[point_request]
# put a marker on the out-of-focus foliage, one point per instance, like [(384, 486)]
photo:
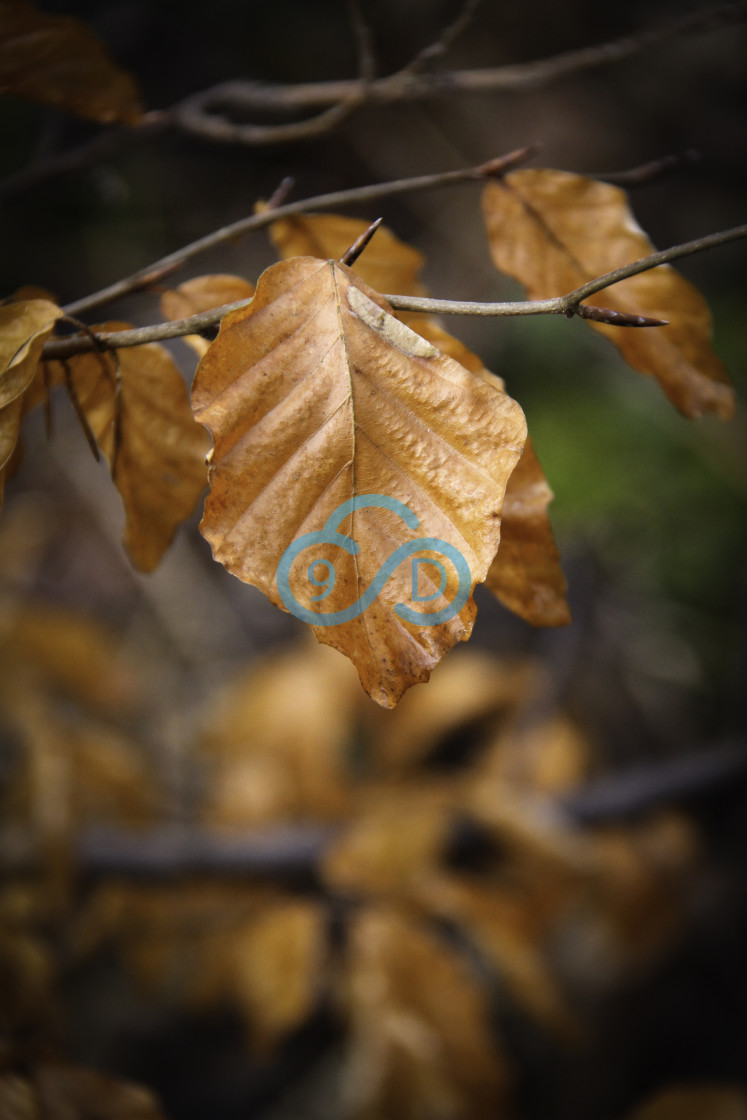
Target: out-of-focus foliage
[(59, 61)]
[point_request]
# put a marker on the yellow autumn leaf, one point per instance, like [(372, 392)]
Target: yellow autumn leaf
[(24, 328), (320, 403), (394, 840), (505, 931), (276, 740), (277, 969), (160, 468), (203, 293), (10, 423), (59, 61), (420, 1034), (553, 231)]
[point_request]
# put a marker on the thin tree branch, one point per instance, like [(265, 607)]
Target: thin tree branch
[(493, 169), (568, 305)]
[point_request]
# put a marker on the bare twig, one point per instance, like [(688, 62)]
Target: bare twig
[(649, 172), (493, 169), (567, 305)]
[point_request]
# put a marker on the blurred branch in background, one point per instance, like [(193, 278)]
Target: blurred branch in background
[(202, 114)]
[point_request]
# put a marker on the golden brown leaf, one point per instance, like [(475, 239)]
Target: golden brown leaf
[(553, 231), (695, 1102), (276, 969), (160, 469), (420, 1044), (74, 654), (10, 423), (503, 927), (203, 293), (277, 740), (24, 328), (316, 396), (392, 843), (59, 61), (548, 756), (526, 574)]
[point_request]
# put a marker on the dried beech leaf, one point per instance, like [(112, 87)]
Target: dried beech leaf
[(315, 395), (526, 574), (386, 264), (391, 844), (10, 423), (420, 1041), (160, 469), (553, 231), (59, 61), (505, 931), (203, 293), (277, 740), (24, 328), (549, 756), (75, 655), (276, 969)]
